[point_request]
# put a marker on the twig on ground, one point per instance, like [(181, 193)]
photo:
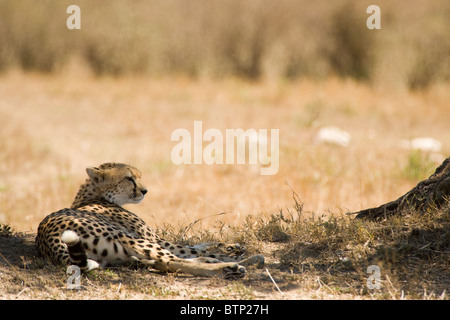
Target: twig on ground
[(270, 276)]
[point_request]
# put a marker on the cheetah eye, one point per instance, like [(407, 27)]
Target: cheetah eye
[(131, 180)]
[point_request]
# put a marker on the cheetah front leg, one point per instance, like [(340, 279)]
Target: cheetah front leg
[(213, 253), (227, 270), (234, 249), (154, 255), (233, 252), (193, 266), (256, 260)]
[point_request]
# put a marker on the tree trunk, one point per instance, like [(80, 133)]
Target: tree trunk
[(431, 192)]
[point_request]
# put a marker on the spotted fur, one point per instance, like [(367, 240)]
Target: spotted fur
[(97, 231)]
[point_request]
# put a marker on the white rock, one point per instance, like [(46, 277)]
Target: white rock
[(423, 144), (333, 135)]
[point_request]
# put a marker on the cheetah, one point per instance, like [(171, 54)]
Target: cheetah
[(97, 231)]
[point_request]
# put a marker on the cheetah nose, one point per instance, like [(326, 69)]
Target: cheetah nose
[(144, 191)]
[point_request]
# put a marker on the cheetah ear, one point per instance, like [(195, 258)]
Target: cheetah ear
[(95, 174)]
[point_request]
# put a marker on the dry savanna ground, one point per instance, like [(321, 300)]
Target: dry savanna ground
[(54, 126)]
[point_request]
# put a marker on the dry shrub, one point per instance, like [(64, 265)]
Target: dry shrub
[(249, 39)]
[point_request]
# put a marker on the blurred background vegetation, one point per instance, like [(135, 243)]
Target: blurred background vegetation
[(252, 39)]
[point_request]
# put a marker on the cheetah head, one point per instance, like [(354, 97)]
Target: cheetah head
[(118, 183)]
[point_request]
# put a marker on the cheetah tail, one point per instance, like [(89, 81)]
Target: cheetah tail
[(77, 254)]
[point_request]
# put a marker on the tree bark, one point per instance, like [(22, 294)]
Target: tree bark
[(431, 192)]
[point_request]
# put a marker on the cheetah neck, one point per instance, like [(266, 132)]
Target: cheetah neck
[(87, 194)]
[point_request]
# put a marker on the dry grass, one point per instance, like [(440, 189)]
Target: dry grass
[(308, 258), (252, 39), (116, 90), (53, 126)]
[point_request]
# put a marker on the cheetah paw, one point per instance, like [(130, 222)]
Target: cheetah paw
[(256, 260), (234, 272)]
